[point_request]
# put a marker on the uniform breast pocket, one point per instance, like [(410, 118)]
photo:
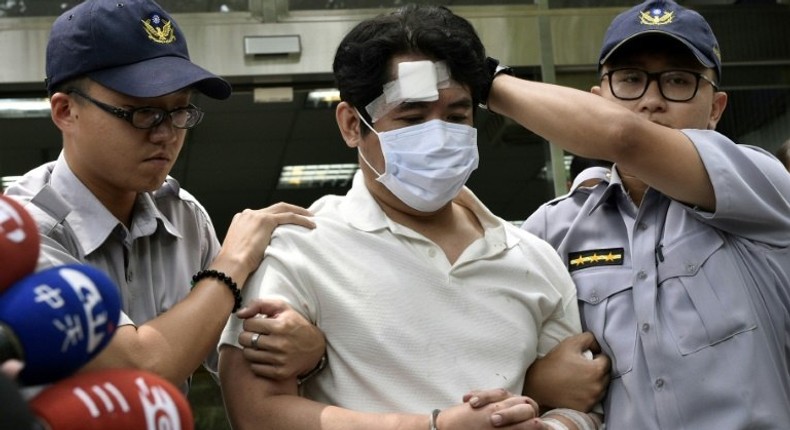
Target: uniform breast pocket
[(701, 295), (607, 311)]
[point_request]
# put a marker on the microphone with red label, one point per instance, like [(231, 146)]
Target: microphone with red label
[(19, 242), (57, 320), (117, 399)]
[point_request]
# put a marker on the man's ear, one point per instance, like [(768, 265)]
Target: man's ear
[(61, 110), (349, 124), (718, 105), (596, 90)]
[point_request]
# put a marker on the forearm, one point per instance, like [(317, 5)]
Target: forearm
[(259, 403), (577, 121), (288, 412), (592, 126), (176, 342)]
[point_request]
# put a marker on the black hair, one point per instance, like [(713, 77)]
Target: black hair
[(361, 65)]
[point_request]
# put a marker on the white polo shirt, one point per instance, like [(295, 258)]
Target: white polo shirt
[(407, 331)]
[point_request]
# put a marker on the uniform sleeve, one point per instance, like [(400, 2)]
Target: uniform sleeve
[(209, 243), (752, 189), (536, 223)]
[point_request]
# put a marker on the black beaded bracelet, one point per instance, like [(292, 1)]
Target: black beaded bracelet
[(210, 273)]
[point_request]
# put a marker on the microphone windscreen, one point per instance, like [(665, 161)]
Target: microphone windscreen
[(57, 320), (117, 399), (19, 242)]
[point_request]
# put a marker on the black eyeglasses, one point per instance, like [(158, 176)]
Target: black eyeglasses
[(148, 117), (674, 85)]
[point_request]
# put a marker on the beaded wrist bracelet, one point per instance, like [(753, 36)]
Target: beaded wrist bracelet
[(203, 274), (319, 367)]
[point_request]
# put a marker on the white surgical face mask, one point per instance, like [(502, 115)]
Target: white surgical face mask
[(426, 165)]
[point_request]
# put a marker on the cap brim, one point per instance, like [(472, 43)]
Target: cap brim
[(159, 76), (701, 58)]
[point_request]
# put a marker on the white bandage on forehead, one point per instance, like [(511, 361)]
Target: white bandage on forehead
[(418, 81)]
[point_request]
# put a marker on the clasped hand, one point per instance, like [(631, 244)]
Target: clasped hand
[(492, 409)]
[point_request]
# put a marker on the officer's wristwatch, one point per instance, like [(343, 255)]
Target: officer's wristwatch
[(494, 69)]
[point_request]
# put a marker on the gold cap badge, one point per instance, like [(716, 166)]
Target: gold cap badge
[(159, 30), (656, 16)]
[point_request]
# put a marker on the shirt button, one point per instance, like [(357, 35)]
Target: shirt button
[(645, 328), (691, 268), (659, 384), (594, 298), (431, 253), (641, 274), (642, 226)]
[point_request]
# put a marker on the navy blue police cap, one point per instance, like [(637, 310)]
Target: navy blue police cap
[(133, 47), (663, 17)]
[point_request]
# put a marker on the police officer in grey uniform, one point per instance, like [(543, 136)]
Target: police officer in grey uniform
[(121, 82), (680, 254)]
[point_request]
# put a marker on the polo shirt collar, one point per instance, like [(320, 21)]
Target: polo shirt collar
[(363, 212), (361, 209)]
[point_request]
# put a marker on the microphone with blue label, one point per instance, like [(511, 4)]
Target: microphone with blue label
[(57, 320)]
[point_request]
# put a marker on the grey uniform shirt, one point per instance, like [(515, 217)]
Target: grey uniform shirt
[(171, 237), (692, 307)]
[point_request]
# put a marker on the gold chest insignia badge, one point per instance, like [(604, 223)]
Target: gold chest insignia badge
[(159, 30), (656, 16), (595, 257)]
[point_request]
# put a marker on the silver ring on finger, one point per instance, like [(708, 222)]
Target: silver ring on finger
[(254, 340)]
